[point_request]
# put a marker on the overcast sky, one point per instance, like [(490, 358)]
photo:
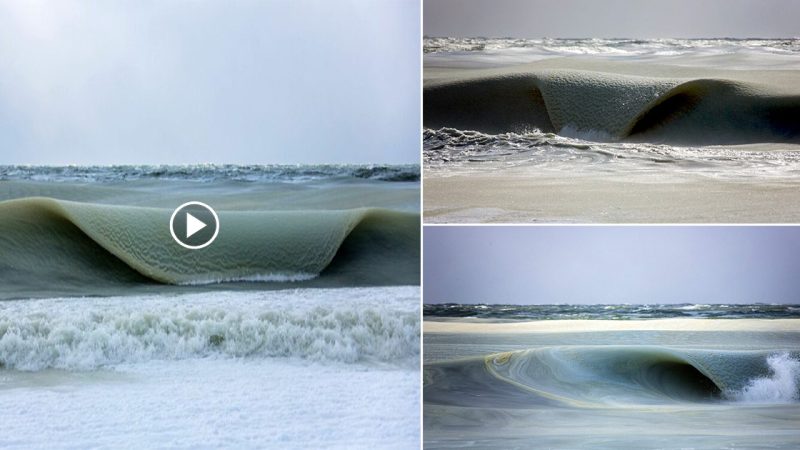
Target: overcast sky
[(145, 81), (612, 18), (541, 265)]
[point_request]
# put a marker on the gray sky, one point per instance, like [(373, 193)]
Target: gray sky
[(300, 81), (529, 265), (612, 18)]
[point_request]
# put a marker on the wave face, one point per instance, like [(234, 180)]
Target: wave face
[(54, 246), (623, 107), (594, 377), (361, 325)]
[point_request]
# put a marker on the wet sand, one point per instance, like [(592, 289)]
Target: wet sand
[(525, 196)]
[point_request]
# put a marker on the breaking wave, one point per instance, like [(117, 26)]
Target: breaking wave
[(379, 325), (588, 377), (65, 246), (780, 386), (616, 107)]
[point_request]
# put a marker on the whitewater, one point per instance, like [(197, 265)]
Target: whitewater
[(336, 368), (707, 127)]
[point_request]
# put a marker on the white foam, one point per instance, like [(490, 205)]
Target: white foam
[(572, 131), (342, 325), (213, 403), (256, 278), (779, 387)]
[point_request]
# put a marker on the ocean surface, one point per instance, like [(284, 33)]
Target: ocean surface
[(105, 230), (610, 312), (693, 376), (298, 326), (672, 119)]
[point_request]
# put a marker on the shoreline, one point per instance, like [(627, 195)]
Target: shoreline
[(528, 197)]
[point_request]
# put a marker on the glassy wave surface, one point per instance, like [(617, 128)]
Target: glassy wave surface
[(99, 230), (584, 376)]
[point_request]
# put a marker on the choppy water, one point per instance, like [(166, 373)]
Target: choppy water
[(601, 46), (453, 151), (611, 312), (205, 173)]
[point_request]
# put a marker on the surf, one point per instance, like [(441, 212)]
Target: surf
[(376, 325)]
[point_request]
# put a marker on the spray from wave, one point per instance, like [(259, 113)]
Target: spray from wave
[(781, 386)]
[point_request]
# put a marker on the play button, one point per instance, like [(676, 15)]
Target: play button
[(194, 225)]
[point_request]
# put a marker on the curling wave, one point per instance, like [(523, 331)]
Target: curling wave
[(54, 246), (588, 377), (615, 106)]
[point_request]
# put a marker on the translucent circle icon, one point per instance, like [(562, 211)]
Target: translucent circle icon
[(194, 225)]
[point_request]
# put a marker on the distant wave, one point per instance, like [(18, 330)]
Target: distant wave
[(62, 246), (611, 312), (378, 325), (210, 172), (588, 377), (622, 107), (599, 46)]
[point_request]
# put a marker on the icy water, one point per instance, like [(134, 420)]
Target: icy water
[(595, 129), (289, 368), (105, 230), (612, 379), (297, 327)]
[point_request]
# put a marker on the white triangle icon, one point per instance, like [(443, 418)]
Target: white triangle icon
[(193, 225)]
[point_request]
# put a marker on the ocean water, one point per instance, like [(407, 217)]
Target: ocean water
[(609, 115), (105, 230), (611, 312), (727, 376), (299, 326)]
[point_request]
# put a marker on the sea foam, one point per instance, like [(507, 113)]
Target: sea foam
[(346, 325), (779, 387)]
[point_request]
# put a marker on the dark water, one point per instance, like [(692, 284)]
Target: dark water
[(612, 312), (211, 172)]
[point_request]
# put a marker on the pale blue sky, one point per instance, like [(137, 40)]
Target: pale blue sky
[(306, 81), (541, 265), (612, 18)]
